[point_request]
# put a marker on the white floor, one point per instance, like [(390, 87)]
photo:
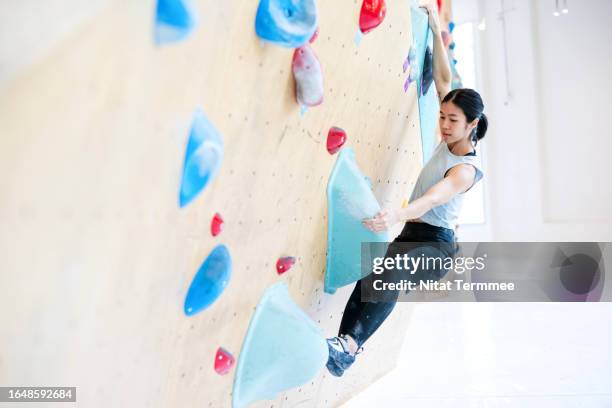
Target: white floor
[(493, 355)]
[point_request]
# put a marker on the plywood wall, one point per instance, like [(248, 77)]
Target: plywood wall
[(95, 255)]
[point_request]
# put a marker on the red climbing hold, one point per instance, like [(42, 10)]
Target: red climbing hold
[(372, 14), (224, 361), (336, 138), (284, 264), (314, 36), (216, 225)]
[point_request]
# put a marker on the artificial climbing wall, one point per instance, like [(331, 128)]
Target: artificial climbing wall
[(95, 254)]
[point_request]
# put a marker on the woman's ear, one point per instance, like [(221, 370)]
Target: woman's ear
[(473, 124)]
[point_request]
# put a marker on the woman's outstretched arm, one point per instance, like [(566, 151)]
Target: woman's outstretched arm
[(441, 70), (459, 179)]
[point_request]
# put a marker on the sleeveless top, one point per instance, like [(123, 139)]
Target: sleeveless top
[(442, 159)]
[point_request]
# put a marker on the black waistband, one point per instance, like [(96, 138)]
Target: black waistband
[(421, 231)]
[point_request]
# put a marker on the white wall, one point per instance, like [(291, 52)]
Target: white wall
[(545, 153)]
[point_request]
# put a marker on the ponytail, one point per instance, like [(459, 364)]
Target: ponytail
[(481, 129)]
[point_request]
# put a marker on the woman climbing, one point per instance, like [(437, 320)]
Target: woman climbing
[(433, 208)]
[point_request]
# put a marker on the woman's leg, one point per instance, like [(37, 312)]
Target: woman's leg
[(362, 318)]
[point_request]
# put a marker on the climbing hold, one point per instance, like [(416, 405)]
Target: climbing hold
[(284, 264), (210, 281), (308, 77), (427, 77), (451, 26), (216, 225), (404, 203), (350, 200), (439, 2), (411, 63), (412, 57), (454, 62), (289, 23), (314, 36), (174, 20), (202, 158), (336, 137), (407, 83), (224, 361), (452, 45), (283, 349), (372, 14)]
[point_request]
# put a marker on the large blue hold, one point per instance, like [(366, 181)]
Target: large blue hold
[(283, 349), (349, 200), (202, 158), (210, 281), (174, 20), (289, 23), (429, 106)]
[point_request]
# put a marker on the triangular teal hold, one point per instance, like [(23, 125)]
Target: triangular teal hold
[(202, 158), (283, 349), (349, 200), (210, 281), (174, 20), (429, 106)]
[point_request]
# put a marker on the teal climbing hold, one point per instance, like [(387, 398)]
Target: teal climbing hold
[(210, 281), (429, 106), (349, 200), (174, 21), (283, 349), (203, 158)]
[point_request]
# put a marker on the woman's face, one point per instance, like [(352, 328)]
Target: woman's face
[(453, 123)]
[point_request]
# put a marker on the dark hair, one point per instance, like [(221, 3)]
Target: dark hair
[(470, 102)]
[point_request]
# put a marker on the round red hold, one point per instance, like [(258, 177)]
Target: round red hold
[(372, 14), (284, 264), (216, 225), (336, 137), (224, 361)]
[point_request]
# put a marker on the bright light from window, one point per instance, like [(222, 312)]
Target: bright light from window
[(465, 54)]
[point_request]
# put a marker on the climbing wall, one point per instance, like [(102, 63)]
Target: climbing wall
[(96, 256)]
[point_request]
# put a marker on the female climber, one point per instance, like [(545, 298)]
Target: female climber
[(433, 208)]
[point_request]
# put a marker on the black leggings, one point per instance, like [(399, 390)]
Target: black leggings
[(362, 318)]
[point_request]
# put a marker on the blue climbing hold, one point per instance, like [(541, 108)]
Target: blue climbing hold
[(174, 20), (451, 26), (210, 281), (283, 349), (202, 158), (427, 75), (452, 45), (349, 200), (289, 23)]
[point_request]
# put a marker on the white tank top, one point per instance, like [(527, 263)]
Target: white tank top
[(444, 215)]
